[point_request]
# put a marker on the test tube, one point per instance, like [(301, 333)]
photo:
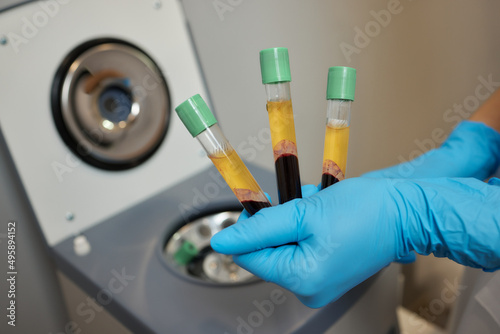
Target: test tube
[(202, 124), (275, 69), (339, 94)]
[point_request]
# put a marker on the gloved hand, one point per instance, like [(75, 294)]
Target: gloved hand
[(349, 231), (471, 150)]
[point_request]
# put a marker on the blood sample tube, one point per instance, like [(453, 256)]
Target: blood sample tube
[(339, 94), (275, 69), (202, 124)]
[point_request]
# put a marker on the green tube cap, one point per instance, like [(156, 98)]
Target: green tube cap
[(185, 253), (341, 83), (275, 65), (195, 115)]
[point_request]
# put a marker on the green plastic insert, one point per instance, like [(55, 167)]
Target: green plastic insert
[(341, 83), (185, 253), (195, 115), (275, 65)]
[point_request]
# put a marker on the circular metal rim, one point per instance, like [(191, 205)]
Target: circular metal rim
[(160, 249), (213, 221), (57, 102)]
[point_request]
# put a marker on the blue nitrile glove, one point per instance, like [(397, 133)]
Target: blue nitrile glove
[(471, 150), (349, 231)]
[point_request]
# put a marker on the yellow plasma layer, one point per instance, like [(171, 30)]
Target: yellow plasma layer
[(237, 176), (282, 125), (336, 144)]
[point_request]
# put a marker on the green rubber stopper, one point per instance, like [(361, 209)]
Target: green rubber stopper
[(341, 83), (275, 65), (185, 253), (195, 115)]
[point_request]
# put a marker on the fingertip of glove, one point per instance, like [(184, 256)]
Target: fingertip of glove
[(310, 189), (237, 260), (315, 302), (217, 242)]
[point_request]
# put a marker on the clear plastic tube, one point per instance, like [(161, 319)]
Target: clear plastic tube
[(338, 121), (233, 170), (279, 107)]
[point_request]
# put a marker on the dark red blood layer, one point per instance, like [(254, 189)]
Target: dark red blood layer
[(288, 176)]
